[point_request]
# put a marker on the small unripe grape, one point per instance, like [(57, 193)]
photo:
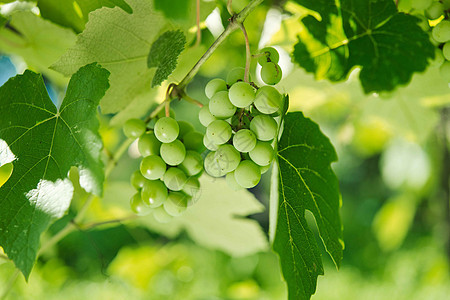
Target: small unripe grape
[(441, 32), (192, 187), (176, 203), (219, 132), (214, 86), (220, 106), (247, 174), (173, 153), (152, 167), (211, 166), (262, 154), (166, 129), (161, 215), (264, 127), (445, 71), (154, 193), (174, 179), (148, 144), (227, 158), (236, 74), (241, 94), (208, 144), (271, 73), (421, 4), (137, 180), (446, 51), (192, 163), (205, 117), (270, 54), (185, 127), (435, 10), (138, 206), (268, 100), (194, 141), (231, 181), (244, 140), (134, 128)]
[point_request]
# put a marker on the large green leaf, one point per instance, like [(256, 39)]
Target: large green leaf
[(306, 182), (44, 143), (388, 46)]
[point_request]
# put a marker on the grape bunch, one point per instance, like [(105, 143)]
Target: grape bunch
[(438, 12), (240, 121), (167, 180)]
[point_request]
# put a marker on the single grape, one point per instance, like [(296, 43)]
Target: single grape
[(205, 116), (148, 144), (241, 94), (138, 206), (214, 86), (166, 129), (264, 127), (441, 32), (271, 73), (262, 154), (154, 193), (247, 174), (208, 144), (270, 54), (176, 203), (236, 74), (264, 169), (161, 215), (446, 51), (137, 180), (220, 106), (219, 132), (134, 128), (192, 163), (244, 140), (185, 127), (227, 158), (192, 188), (421, 4), (445, 71), (434, 11), (194, 141), (175, 179), (231, 181), (211, 166), (173, 153), (152, 167), (268, 100)]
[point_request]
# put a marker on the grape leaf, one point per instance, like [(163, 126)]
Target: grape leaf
[(164, 54), (388, 46), (44, 143), (74, 14), (306, 182)]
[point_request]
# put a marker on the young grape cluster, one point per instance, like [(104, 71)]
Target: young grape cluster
[(167, 180), (240, 125), (439, 13)]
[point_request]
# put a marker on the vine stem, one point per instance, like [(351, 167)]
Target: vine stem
[(248, 54)]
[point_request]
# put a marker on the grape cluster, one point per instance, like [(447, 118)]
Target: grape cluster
[(167, 180), (240, 121), (439, 12)]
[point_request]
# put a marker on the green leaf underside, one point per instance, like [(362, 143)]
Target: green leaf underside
[(164, 54), (387, 45), (306, 182), (46, 143)]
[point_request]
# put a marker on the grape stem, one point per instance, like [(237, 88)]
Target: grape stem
[(248, 54)]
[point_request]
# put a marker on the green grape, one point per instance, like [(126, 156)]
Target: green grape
[(175, 179), (194, 141), (205, 116), (176, 203), (264, 127), (227, 158), (218, 132), (247, 174), (241, 94), (445, 71), (148, 144), (166, 129), (138, 206), (435, 10), (264, 169), (192, 188), (220, 106), (421, 4), (271, 73), (137, 180), (185, 127), (262, 154), (446, 51), (214, 86), (441, 32), (208, 144), (152, 167), (211, 166), (235, 75), (154, 193), (268, 100), (192, 163), (271, 54), (134, 128), (173, 153), (161, 215), (231, 181), (244, 140)]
